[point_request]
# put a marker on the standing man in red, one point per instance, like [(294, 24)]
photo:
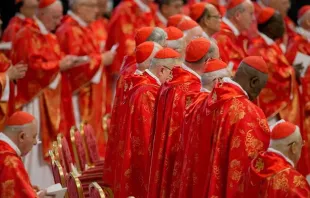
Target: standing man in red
[(233, 131), (169, 114), (39, 91), (16, 141), (127, 17), (82, 86), (272, 173), (138, 120), (115, 148), (25, 9), (238, 18)]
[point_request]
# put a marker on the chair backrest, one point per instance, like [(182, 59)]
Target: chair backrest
[(64, 153), (95, 191), (74, 187), (89, 140), (59, 176), (106, 125), (78, 149)]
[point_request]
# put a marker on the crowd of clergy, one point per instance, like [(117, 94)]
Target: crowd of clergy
[(203, 99)]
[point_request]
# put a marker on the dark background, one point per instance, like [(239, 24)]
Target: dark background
[(7, 9)]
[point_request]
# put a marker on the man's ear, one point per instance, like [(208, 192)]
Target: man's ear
[(294, 148), (254, 81), (22, 136)]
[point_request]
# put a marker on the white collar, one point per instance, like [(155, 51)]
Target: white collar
[(143, 7), (229, 80), (268, 40), (7, 140), (281, 154), (20, 15), (161, 17), (41, 26), (205, 90), (78, 19), (153, 76), (260, 3), (191, 71), (138, 72), (303, 32), (231, 25)]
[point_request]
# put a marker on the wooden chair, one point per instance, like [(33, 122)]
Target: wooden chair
[(65, 154), (78, 149), (74, 187)]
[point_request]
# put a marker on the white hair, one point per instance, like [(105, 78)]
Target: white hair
[(176, 44), (43, 10), (186, 32), (146, 63), (158, 35), (17, 128), (232, 12), (166, 62), (208, 78), (281, 144)]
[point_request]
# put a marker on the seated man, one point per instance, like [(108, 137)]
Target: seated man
[(17, 139), (272, 173)]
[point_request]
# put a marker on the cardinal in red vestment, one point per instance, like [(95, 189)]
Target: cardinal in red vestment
[(139, 112), (235, 130), (272, 173), (25, 9), (115, 147), (169, 114), (100, 29), (207, 16), (39, 91), (82, 95), (229, 39), (17, 139), (191, 30)]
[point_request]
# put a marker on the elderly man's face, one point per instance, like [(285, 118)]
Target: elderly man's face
[(247, 17), (88, 10), (175, 7), (27, 138), (53, 17)]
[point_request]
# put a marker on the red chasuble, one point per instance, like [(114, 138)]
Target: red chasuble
[(15, 182), (137, 128), (232, 131), (129, 67), (232, 47), (272, 176), (76, 39), (41, 52), (4, 65), (280, 95), (99, 27), (127, 17), (167, 130)]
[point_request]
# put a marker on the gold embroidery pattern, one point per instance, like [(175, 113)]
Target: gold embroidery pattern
[(252, 145), (11, 162), (299, 181), (8, 189), (235, 142), (280, 182), (236, 111), (267, 95), (259, 165)]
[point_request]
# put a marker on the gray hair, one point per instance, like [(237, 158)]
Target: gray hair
[(166, 62), (158, 35), (208, 78), (232, 12), (176, 44), (147, 62), (281, 144)]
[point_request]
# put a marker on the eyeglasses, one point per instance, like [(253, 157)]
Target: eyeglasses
[(215, 16), (302, 143), (167, 67)]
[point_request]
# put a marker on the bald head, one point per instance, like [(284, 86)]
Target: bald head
[(242, 16), (250, 79), (87, 10), (51, 15), (21, 128), (290, 146)]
